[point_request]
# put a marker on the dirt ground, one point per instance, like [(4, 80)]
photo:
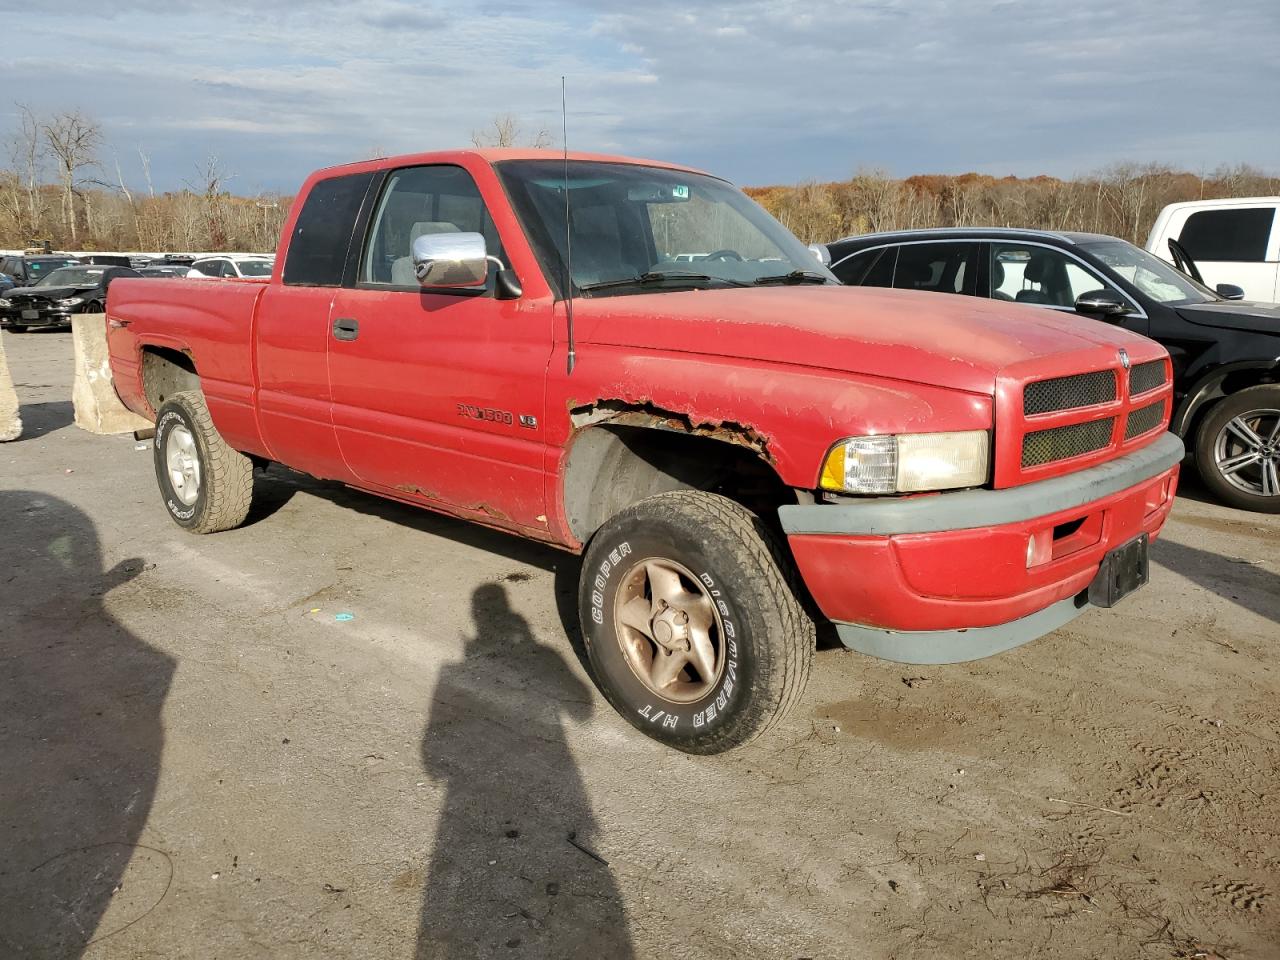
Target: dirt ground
[(202, 755)]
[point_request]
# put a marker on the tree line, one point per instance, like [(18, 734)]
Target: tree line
[(63, 184), (1121, 200)]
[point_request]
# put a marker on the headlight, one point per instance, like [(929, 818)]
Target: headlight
[(908, 463), (71, 302)]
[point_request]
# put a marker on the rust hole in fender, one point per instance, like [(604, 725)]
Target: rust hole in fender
[(647, 414)]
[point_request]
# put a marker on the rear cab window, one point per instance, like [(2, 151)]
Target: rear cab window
[(321, 239)]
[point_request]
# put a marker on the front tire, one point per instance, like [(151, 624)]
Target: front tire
[(1238, 449), (691, 622), (206, 486)]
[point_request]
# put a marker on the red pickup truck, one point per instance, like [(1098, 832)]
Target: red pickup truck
[(633, 361)]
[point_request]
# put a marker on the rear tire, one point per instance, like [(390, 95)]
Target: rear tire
[(206, 486), (692, 623), (1238, 449)]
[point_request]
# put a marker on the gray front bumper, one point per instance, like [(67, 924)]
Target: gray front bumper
[(968, 509)]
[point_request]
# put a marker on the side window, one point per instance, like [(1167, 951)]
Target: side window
[(1040, 275), (1238, 236), (870, 268), (229, 269), (321, 235), (1083, 281), (937, 267), (415, 202)]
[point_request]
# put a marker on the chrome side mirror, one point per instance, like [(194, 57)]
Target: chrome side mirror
[(820, 251), (450, 260), (1101, 303)]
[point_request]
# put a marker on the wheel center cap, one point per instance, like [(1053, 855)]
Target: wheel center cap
[(670, 629)]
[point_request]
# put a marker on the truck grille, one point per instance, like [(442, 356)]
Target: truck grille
[(1144, 419), (1047, 427), (1146, 376), (1068, 393), (1060, 443)]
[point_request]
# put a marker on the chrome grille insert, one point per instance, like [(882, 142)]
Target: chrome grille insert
[(1146, 376), (1069, 393), (1143, 419), (1060, 443)]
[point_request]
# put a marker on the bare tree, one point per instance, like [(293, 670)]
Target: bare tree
[(25, 152), (505, 130), (211, 184), (74, 140), (146, 171)]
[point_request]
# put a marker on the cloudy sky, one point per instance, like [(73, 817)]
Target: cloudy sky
[(761, 92)]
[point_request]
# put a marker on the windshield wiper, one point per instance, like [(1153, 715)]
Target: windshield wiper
[(795, 276), (653, 277)]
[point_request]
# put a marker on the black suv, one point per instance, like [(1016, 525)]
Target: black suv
[(51, 301), (27, 269), (1226, 352)]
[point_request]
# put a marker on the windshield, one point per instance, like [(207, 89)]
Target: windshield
[(1149, 273), (254, 268), (41, 268), (662, 229), (72, 277)]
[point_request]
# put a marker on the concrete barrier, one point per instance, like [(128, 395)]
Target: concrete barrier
[(97, 407), (10, 421)]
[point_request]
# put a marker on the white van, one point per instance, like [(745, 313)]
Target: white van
[(1235, 241)]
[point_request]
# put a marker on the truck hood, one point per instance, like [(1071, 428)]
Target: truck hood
[(943, 340), (1234, 315)]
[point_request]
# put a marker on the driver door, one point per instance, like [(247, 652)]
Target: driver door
[(437, 396)]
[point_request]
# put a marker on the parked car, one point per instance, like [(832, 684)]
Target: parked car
[(27, 269), (1234, 242), (709, 435), (1226, 354), (232, 266), (51, 302), (164, 270)]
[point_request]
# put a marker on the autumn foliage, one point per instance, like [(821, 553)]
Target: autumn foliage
[(1121, 200)]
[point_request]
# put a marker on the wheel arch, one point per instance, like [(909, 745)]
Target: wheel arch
[(166, 371), (1221, 381), (622, 453)]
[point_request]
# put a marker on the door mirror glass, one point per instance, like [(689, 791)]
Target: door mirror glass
[(1101, 303), (450, 260), (1229, 291)]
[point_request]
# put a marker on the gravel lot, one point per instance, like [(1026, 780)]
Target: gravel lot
[(203, 756)]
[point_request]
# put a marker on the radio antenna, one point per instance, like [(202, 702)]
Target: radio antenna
[(568, 231)]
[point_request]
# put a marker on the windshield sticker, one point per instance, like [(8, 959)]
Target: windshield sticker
[(680, 192)]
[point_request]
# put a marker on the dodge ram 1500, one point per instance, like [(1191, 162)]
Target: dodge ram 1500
[(633, 361)]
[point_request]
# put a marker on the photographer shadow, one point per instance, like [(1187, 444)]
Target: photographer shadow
[(514, 870), (81, 738)]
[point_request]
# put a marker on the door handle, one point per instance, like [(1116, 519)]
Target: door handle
[(345, 328)]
